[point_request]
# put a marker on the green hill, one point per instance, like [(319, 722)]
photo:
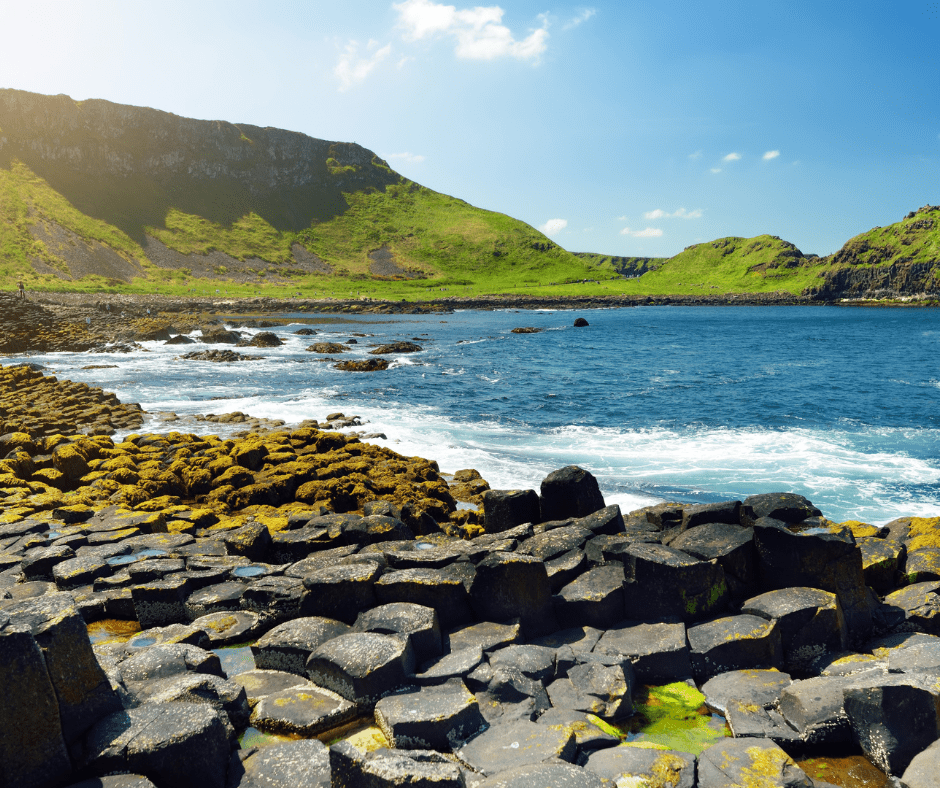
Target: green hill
[(95, 194)]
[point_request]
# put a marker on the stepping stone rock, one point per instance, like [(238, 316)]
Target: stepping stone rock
[(536, 662), (453, 665), (507, 694), (301, 711), (417, 622), (919, 604), (363, 666), (565, 569), (288, 646), (544, 775), (753, 687), (222, 597), (289, 765), (659, 651), (810, 623), (632, 765), (485, 635), (512, 585), (594, 599), (434, 588), (786, 507), (237, 626), (433, 718), (746, 762), (260, 683), (513, 744), (748, 720), (569, 492), (392, 769), (161, 602), (276, 598), (556, 542), (340, 592), (224, 696), (588, 736), (593, 688), (185, 745), (734, 643)]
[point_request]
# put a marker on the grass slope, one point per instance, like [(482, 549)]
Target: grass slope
[(914, 239)]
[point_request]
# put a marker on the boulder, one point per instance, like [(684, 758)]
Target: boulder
[(417, 622), (569, 492), (752, 687), (786, 507), (437, 589), (505, 509), (731, 545), (594, 599)]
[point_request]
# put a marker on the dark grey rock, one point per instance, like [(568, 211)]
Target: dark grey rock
[(594, 688), (340, 592), (919, 604), (505, 509), (260, 683), (640, 766), (734, 762), (536, 662), (363, 666), (505, 693), (786, 507), (275, 598), (289, 765), (161, 602), (453, 665), (486, 635), (432, 718), (734, 643), (540, 775), (753, 687), (302, 710), (731, 545), (216, 598), (438, 589), (513, 744), (180, 744), (417, 622), (923, 769), (595, 599), (748, 720), (659, 651), (810, 622), (510, 585), (391, 769), (815, 707), (288, 646), (569, 492)]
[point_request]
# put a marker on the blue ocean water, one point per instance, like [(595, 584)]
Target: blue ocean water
[(694, 404)]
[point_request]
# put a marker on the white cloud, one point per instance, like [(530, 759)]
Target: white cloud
[(353, 69), (680, 213), (410, 158), (553, 226), (732, 157), (716, 169), (771, 154), (696, 155), (622, 218), (649, 232), (479, 32), (586, 14)]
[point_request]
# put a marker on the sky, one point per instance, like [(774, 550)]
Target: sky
[(628, 128)]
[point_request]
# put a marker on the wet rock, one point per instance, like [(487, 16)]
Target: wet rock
[(327, 348), (580, 322), (259, 684), (219, 356), (527, 330), (366, 365), (397, 347), (264, 339), (815, 707)]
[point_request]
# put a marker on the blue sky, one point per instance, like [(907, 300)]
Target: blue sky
[(627, 128)]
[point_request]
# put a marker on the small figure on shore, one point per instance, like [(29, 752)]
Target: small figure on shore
[(22, 290)]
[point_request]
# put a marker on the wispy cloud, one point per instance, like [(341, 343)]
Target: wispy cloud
[(553, 226), (478, 31), (649, 232), (732, 157), (696, 155), (581, 18), (679, 213), (353, 69), (410, 158), (716, 170), (771, 154)]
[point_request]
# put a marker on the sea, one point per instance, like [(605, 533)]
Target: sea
[(688, 404)]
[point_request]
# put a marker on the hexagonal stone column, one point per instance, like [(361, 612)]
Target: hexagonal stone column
[(432, 718)]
